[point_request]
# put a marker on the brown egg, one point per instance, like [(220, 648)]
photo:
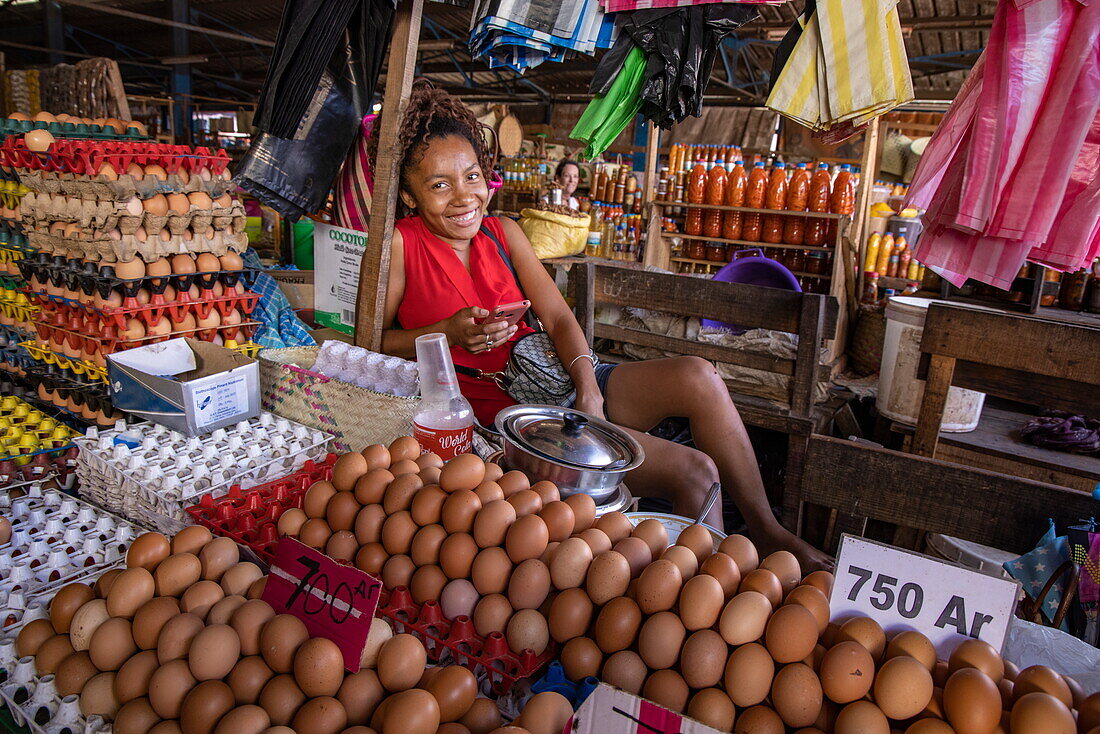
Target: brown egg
[(637, 554), (66, 603), (397, 571), (748, 674), (742, 551), (491, 524), (98, 697), (462, 472), (491, 614), (545, 713), (626, 670), (248, 678), (866, 632), (684, 559), (458, 599), (244, 720), (213, 653), (459, 511), (660, 640), (371, 487), (615, 525), (342, 545), (256, 591), (207, 263), (148, 549), (360, 693), (291, 521), (658, 586), (861, 717), (176, 573), (217, 557), (903, 687), (701, 602), (324, 715), (200, 598), (315, 533), (456, 555), (342, 510), (698, 540), (765, 582), (971, 701), (1038, 712), (169, 686), (377, 456), (427, 505), (191, 540), (347, 470), (617, 624), (527, 630), (205, 705), (526, 538), (482, 718), (238, 577), (166, 727), (977, 654), (132, 588), (280, 639), (596, 539), (570, 563), (405, 466), (73, 672), (112, 644), (489, 491), (491, 570), (319, 667), (668, 689), (281, 698), (135, 717), (847, 672), (608, 577), (812, 599), (427, 584), (132, 681), (525, 502), (1041, 679), (411, 711), (176, 635), (529, 584), (791, 634), (654, 534), (368, 524), (796, 695), (317, 497), (454, 689), (399, 494), (1089, 711), (581, 656), (425, 545), (32, 636), (397, 533), (248, 622), (712, 707), (401, 662)]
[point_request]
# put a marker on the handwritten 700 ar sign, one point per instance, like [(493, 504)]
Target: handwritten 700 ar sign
[(903, 590), (333, 600)]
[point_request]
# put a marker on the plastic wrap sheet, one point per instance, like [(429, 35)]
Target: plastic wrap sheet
[(1033, 644)]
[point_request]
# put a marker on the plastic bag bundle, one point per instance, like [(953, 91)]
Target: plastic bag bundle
[(521, 34)]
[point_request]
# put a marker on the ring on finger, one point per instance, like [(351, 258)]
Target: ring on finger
[(488, 342)]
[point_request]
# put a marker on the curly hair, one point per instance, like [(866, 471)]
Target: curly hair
[(431, 113)]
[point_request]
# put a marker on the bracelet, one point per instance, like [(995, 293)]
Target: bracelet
[(580, 356)]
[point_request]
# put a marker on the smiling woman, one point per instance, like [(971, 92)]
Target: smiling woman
[(448, 272)]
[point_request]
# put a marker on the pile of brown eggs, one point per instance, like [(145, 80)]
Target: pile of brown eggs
[(119, 127), (180, 642)]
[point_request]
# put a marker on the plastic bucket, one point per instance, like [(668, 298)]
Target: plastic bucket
[(899, 391)]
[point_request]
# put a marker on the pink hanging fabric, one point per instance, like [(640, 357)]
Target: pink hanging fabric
[(1016, 155)]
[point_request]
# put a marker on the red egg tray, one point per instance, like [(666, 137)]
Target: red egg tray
[(87, 319), (83, 157), (74, 275), (467, 648), (110, 341), (251, 516)]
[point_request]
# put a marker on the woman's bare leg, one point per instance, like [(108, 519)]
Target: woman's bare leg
[(642, 394)]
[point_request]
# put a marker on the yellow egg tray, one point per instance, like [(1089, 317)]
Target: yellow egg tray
[(14, 305), (76, 366), (25, 430), (11, 192)]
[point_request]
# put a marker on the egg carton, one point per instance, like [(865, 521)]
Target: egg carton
[(9, 126), (370, 370), (120, 189), (456, 641), (104, 247), (60, 365), (251, 516), (153, 474), (44, 212), (112, 340), (94, 159), (91, 321), (34, 702)]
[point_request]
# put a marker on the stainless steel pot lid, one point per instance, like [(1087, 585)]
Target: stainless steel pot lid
[(570, 437)]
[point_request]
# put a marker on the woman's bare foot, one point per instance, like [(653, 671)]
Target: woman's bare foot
[(779, 538)]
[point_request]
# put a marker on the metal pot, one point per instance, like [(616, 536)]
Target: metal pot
[(579, 453)]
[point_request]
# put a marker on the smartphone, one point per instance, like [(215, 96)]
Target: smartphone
[(509, 312)]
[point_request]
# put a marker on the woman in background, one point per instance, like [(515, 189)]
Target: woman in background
[(568, 176)]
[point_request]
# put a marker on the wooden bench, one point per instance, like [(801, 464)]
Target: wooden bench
[(812, 317), (887, 495), (1026, 359)]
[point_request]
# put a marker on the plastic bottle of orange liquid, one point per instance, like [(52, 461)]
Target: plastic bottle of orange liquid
[(736, 184), (820, 185), (777, 199), (756, 194), (798, 194)]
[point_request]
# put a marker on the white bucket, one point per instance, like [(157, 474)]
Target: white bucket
[(899, 391)]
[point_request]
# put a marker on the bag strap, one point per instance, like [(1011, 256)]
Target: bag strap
[(529, 317)]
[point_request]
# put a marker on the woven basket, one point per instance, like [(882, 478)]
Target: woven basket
[(356, 417), (865, 347)]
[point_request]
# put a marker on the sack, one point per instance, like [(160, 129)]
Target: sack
[(553, 234)]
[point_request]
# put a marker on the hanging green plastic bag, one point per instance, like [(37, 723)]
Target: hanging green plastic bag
[(554, 235), (608, 114)]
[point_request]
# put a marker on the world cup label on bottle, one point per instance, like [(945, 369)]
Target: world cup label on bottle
[(444, 443)]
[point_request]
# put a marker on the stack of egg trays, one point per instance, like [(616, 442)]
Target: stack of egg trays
[(155, 473), (455, 642), (70, 541), (251, 517)]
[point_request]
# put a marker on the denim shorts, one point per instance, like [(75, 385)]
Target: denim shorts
[(603, 374)]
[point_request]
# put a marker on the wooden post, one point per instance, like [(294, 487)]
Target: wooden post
[(861, 222), (940, 371), (374, 269), (656, 249)]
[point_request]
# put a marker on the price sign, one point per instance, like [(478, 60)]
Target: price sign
[(903, 590), (333, 600)]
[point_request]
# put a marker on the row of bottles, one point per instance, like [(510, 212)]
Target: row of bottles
[(526, 173), (616, 184), (613, 233), (890, 257)]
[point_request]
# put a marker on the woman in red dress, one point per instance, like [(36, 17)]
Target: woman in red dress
[(446, 275)]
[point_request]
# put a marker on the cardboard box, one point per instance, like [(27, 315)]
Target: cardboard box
[(191, 386), (610, 710), (297, 286)]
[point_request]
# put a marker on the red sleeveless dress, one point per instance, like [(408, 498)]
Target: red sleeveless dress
[(437, 285)]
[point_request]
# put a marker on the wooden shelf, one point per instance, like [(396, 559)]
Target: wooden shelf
[(715, 263), (750, 210), (778, 245)]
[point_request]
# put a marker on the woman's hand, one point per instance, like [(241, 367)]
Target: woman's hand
[(591, 403), (463, 330)]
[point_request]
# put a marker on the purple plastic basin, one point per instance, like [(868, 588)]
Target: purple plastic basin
[(750, 267)]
